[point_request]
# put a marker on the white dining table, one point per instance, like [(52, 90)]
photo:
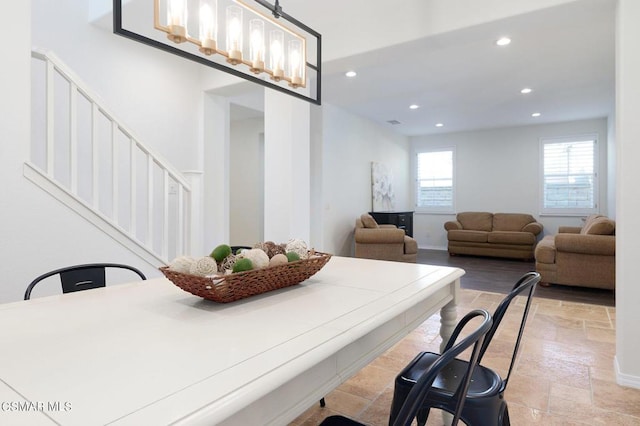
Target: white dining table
[(148, 353)]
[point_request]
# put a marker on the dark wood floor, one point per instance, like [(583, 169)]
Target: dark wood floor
[(499, 275)]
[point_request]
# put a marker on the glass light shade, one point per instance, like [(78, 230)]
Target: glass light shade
[(177, 20), (234, 34), (208, 26), (276, 54), (296, 69), (256, 48)]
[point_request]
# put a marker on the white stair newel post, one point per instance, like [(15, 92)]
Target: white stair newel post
[(194, 219)]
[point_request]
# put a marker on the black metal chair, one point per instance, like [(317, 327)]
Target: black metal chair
[(485, 403), (81, 277), (415, 398)]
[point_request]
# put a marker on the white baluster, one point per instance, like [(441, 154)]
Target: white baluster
[(50, 82), (150, 201), (73, 137), (132, 188), (114, 172), (165, 213)]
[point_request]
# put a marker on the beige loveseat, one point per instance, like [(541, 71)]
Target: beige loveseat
[(512, 235), (383, 242), (584, 257)]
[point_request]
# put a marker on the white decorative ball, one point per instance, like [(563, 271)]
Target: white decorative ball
[(204, 266), (278, 259), (299, 247), (181, 264), (257, 256)]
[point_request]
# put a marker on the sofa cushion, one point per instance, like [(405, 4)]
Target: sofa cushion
[(599, 226), (476, 221), (511, 237), (467, 235), (368, 221), (511, 221)]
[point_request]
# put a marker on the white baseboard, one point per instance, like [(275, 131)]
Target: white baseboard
[(433, 248), (625, 379)]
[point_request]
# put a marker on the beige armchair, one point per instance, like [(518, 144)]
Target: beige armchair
[(383, 242), (583, 257)]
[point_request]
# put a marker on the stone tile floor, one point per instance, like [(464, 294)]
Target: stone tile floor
[(564, 374)]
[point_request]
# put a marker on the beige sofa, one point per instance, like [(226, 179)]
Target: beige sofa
[(584, 257), (383, 242), (512, 235)]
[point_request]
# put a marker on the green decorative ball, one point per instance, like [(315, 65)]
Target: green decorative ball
[(220, 252), (243, 265), (292, 256)]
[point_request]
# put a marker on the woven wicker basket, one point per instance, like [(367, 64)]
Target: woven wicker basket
[(228, 288)]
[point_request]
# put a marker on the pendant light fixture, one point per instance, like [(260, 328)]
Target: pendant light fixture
[(255, 40)]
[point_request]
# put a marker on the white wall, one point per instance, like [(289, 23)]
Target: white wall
[(628, 192), (156, 94), (350, 144), (247, 182), (498, 170), (37, 232)]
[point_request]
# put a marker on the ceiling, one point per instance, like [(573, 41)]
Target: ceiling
[(565, 54)]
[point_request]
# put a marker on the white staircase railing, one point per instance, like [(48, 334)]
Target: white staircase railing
[(90, 158)]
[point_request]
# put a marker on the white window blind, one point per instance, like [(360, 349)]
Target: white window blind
[(434, 180), (569, 176)]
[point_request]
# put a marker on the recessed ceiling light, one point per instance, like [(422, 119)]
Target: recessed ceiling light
[(526, 90), (503, 41), (536, 114), (351, 73), (414, 106), (439, 125)]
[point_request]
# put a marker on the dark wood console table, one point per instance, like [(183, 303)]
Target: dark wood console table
[(403, 220)]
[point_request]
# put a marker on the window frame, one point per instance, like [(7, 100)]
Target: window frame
[(434, 209), (571, 211)]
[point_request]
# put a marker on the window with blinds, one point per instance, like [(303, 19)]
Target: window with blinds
[(569, 175), (434, 181)]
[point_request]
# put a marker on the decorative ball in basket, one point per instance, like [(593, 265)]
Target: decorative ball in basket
[(225, 276)]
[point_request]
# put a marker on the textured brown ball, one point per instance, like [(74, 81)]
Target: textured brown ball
[(269, 247), (277, 249), (228, 262)]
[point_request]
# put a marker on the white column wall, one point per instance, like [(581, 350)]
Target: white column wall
[(216, 158), (287, 191), (246, 223), (628, 192)]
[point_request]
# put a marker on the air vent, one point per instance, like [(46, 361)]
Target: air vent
[(393, 122)]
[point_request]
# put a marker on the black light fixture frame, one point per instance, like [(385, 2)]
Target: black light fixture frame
[(277, 12)]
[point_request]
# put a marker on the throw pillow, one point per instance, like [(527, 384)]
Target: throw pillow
[(601, 226), (588, 221), (368, 221)]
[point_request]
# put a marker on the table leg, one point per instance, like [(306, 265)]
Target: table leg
[(448, 320)]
